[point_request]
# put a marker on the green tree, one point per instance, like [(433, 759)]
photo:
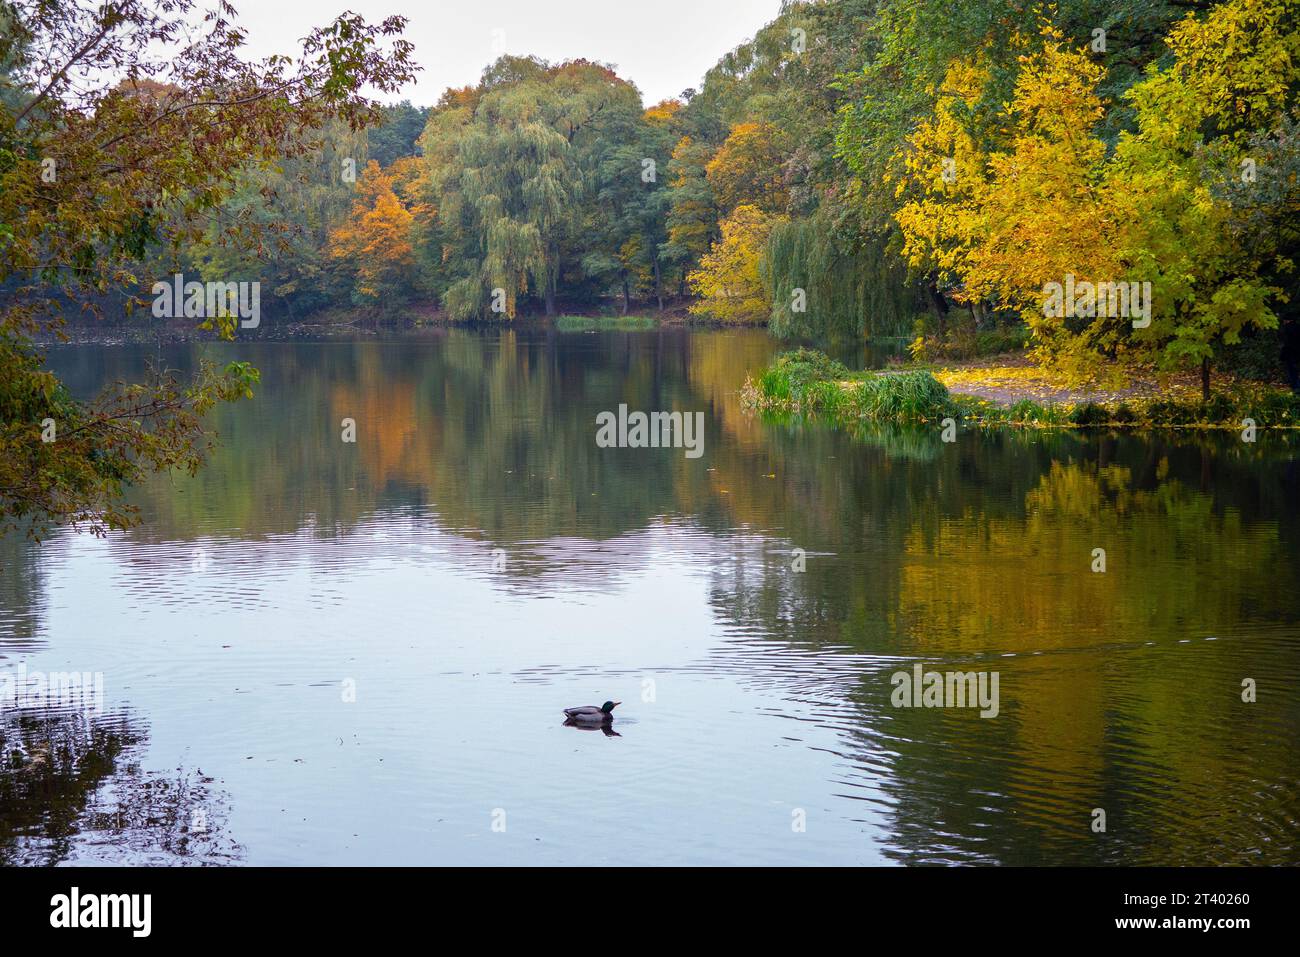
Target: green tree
[(397, 133), (513, 169)]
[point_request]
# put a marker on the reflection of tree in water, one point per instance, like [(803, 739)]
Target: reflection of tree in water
[(21, 591), (1111, 695), (915, 550), (71, 789), (493, 435)]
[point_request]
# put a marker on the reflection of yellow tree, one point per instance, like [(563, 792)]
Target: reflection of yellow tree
[(1175, 570), (1026, 584)]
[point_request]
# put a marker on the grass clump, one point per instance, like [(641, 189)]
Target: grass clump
[(809, 381), (901, 397), (605, 323), (797, 379)]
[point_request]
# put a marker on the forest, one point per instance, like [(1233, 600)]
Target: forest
[(860, 169)]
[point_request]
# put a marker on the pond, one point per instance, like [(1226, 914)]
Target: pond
[(330, 652)]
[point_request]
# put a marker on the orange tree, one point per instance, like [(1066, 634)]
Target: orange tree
[(376, 239)]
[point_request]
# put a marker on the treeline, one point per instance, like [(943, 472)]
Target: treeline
[(860, 168), (548, 187)]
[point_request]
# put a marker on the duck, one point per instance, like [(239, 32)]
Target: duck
[(590, 714)]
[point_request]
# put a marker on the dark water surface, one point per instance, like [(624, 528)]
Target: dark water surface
[(474, 563)]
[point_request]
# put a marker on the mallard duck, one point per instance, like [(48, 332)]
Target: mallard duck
[(590, 714)]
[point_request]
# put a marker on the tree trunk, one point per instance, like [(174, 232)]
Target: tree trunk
[(1205, 379), (627, 296), (659, 289), (937, 305), (552, 280), (1290, 336)]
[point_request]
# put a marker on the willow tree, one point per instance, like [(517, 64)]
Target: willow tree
[(826, 282), (512, 167), (518, 185)]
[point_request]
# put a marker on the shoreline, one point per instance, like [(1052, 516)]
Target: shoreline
[(1008, 393), (325, 325)]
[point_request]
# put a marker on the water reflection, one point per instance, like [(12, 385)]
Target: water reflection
[(72, 791), (474, 553), (606, 729)]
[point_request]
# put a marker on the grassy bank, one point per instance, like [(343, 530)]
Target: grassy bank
[(808, 383), (602, 323)]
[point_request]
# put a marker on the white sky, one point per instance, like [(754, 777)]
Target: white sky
[(663, 46)]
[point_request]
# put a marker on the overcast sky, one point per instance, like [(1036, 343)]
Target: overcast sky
[(663, 46)]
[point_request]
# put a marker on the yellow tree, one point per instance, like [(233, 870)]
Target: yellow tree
[(1234, 73), (943, 178), (747, 169), (1149, 222), (728, 280)]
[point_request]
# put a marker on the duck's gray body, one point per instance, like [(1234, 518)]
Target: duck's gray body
[(590, 714)]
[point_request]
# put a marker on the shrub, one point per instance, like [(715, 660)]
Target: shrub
[(1090, 413), (902, 396), (789, 377)]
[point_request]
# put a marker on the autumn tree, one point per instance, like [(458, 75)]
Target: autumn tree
[(375, 242), (748, 168), (121, 128), (1050, 200), (728, 280), (1235, 75)]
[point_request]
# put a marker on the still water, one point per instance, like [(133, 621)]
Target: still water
[(318, 652)]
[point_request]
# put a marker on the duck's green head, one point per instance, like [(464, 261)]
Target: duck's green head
[(609, 706)]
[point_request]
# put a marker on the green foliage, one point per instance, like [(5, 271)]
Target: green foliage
[(808, 381), (692, 217), (962, 340), (605, 323), (852, 288), (534, 186), (901, 397), (396, 134), (789, 377)]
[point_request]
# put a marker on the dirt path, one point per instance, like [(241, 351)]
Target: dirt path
[(1006, 380)]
